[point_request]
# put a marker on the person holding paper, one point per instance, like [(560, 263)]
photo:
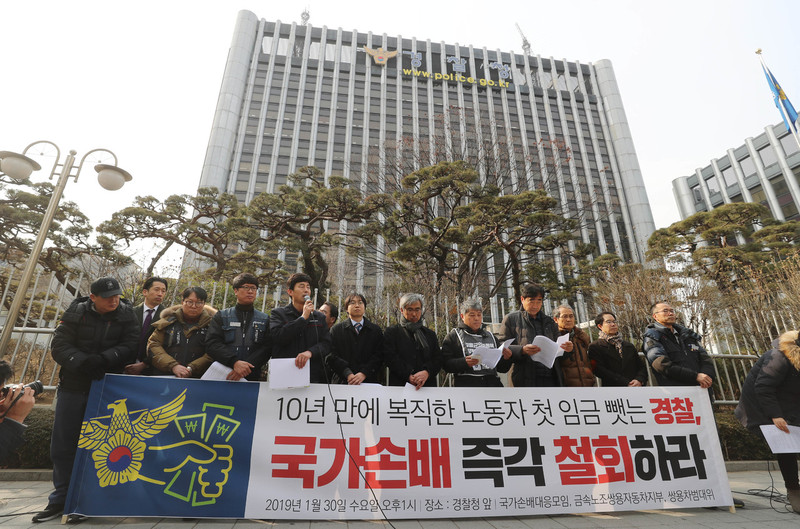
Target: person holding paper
[(771, 396), (300, 332), (357, 346), (575, 365), (411, 350), (238, 337), (616, 362), (178, 343), (458, 350), (525, 325)]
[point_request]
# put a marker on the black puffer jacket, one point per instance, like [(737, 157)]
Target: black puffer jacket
[(676, 359), (84, 333)]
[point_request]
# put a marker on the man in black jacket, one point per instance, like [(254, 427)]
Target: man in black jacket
[(525, 325), (674, 351), (96, 335), (357, 345), (300, 332)]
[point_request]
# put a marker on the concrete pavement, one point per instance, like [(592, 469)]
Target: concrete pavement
[(20, 499)]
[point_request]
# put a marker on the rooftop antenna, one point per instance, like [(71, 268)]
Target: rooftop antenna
[(526, 46), (305, 16)]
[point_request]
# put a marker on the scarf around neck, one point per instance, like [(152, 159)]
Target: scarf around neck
[(415, 329), (615, 340)]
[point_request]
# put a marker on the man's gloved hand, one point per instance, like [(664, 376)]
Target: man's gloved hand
[(94, 366)]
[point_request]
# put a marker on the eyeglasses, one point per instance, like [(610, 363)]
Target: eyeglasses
[(249, 289), (409, 309), (666, 311), (610, 322), (193, 303)]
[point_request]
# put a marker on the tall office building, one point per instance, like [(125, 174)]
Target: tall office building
[(367, 105), (766, 169)]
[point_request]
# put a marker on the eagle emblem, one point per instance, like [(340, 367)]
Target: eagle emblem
[(380, 56), (116, 441)]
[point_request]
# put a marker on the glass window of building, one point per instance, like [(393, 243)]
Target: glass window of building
[(729, 176), (713, 185), (748, 166), (789, 144), (768, 156)]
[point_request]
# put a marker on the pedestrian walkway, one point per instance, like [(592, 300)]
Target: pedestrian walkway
[(20, 499)]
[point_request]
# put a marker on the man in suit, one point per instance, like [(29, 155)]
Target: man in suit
[(357, 345), (147, 313)]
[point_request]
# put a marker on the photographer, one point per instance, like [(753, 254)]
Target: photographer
[(15, 405)]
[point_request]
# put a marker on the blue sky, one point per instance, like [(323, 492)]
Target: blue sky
[(142, 78)]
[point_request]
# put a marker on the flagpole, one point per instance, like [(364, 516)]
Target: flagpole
[(793, 128)]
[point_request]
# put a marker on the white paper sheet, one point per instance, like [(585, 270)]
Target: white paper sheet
[(216, 371), (781, 442), (489, 356), (550, 350), (283, 374)]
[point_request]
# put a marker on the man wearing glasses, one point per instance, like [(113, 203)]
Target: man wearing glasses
[(674, 351), (238, 337), (615, 361)]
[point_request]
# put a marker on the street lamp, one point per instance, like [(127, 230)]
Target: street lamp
[(19, 167)]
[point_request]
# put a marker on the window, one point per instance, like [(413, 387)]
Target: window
[(713, 185), (729, 176), (789, 145), (768, 156), (748, 166)]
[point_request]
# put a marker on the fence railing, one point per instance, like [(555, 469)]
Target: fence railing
[(29, 349)]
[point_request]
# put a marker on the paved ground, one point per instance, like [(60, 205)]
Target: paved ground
[(19, 499)]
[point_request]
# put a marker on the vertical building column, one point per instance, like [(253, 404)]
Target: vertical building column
[(737, 169), (683, 196), (772, 200), (217, 163), (788, 175), (723, 187), (630, 173)]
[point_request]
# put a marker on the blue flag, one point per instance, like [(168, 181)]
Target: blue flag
[(788, 113)]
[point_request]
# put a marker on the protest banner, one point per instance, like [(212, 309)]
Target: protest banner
[(189, 448)]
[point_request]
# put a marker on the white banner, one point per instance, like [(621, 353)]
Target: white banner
[(472, 452)]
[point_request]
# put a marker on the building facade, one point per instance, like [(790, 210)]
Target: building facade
[(766, 169), (368, 106)]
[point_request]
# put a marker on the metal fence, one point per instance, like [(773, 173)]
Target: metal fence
[(29, 348)]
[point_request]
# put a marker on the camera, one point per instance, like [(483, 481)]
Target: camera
[(36, 386)]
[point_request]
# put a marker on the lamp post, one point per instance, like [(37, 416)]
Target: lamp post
[(19, 167)]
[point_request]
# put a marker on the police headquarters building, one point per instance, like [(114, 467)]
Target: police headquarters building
[(364, 106)]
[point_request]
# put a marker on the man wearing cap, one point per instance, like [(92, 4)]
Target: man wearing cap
[(97, 335)]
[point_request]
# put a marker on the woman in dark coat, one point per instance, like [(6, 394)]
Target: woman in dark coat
[(771, 396), (411, 350)]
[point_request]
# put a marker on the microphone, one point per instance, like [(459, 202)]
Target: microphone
[(307, 297)]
